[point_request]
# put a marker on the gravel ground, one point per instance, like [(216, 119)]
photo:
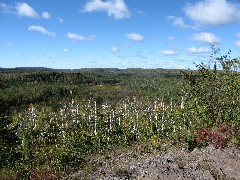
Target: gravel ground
[(206, 163)]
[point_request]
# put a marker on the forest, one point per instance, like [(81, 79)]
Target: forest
[(51, 120)]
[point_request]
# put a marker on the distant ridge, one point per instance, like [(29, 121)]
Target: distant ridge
[(26, 68), (87, 69)]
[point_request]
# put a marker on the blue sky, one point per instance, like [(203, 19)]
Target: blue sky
[(116, 33)]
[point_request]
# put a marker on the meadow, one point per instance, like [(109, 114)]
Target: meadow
[(51, 120)]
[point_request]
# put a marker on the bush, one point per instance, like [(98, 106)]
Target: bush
[(213, 93), (212, 97)]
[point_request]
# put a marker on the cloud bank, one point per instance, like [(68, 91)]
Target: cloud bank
[(194, 50), (46, 15), (135, 37), (22, 10), (115, 8), (213, 12), (207, 38), (169, 52), (78, 37), (41, 30)]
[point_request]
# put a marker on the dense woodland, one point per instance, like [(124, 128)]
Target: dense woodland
[(50, 120)]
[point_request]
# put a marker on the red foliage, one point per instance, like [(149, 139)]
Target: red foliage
[(207, 136)]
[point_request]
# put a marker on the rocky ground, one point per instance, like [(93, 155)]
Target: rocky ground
[(205, 163)]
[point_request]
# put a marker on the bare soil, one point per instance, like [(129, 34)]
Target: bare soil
[(205, 163)]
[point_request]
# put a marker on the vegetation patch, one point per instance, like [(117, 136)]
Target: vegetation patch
[(61, 118)]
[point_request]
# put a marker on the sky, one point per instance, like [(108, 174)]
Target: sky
[(74, 34)]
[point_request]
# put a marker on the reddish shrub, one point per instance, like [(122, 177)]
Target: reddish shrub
[(206, 136)]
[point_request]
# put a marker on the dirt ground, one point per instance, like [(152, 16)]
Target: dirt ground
[(205, 163)]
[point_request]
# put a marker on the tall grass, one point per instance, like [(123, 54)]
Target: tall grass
[(61, 138)]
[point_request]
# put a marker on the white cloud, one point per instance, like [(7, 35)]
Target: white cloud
[(115, 8), (114, 49), (20, 9), (46, 15), (194, 50), (135, 37), (213, 12), (23, 9), (65, 50), (237, 43), (42, 30), (61, 20), (78, 37), (206, 37), (178, 22), (169, 52)]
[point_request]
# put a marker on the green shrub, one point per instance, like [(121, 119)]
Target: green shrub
[(212, 93)]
